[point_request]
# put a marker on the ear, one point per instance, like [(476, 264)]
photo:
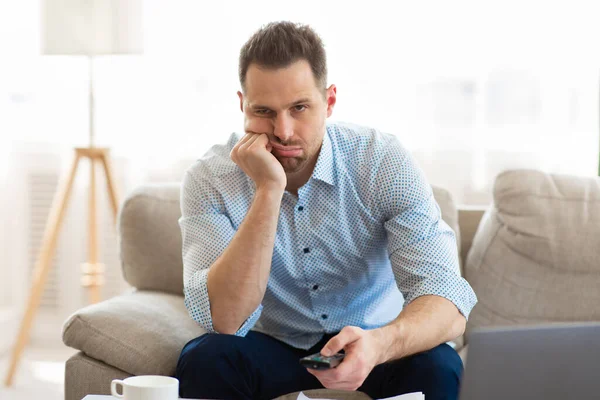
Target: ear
[(241, 96), (331, 99)]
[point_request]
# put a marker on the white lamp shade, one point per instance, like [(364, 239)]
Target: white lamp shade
[(92, 27)]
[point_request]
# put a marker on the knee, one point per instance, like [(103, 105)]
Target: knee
[(212, 366), (436, 373), (441, 367), (208, 351)]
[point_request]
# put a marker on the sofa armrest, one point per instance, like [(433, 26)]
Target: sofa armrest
[(140, 332)]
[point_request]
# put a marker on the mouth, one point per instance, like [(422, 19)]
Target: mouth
[(285, 151)]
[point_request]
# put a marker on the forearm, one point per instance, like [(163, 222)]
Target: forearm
[(423, 324), (238, 279)]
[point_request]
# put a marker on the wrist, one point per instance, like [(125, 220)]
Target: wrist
[(269, 192), (270, 187), (390, 342), (383, 344)]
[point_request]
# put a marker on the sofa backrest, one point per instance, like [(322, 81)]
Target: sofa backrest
[(150, 237), (536, 255)]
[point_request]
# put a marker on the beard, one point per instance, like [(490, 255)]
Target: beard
[(292, 165)]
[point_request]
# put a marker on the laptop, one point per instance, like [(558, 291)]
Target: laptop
[(551, 362)]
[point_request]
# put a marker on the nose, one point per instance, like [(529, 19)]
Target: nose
[(283, 127)]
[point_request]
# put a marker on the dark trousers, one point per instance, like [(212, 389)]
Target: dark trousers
[(217, 366)]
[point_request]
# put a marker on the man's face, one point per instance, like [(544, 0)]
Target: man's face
[(287, 105)]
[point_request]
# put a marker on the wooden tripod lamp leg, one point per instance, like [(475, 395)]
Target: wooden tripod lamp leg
[(94, 287), (110, 182), (42, 266)]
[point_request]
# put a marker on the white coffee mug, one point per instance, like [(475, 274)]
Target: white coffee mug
[(146, 387)]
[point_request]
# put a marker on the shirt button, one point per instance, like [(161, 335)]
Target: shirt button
[(300, 208), (324, 316), (315, 287), (306, 250)]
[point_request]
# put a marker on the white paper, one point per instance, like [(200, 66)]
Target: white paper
[(407, 396), (302, 396)]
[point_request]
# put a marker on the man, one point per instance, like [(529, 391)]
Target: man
[(305, 237)]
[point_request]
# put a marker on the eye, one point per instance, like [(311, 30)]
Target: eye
[(262, 111), (300, 107)]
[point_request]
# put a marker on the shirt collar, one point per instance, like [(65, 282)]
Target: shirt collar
[(324, 168)]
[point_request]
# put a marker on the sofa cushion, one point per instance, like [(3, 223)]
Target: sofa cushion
[(139, 333), (85, 375), (535, 255)]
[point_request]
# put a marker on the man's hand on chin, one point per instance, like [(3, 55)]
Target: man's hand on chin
[(364, 351)]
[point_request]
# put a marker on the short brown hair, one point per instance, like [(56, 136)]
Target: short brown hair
[(280, 44)]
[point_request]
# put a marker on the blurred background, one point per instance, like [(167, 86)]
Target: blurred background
[(470, 87)]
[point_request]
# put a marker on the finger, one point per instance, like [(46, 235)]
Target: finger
[(240, 142), (345, 371), (347, 335), (244, 146), (245, 138), (345, 383), (332, 383), (349, 365), (321, 374), (262, 140), (326, 377), (331, 374)]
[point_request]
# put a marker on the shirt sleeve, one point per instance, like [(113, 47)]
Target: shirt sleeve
[(422, 247), (206, 232)]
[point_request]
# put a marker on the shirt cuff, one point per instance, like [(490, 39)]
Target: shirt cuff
[(198, 305), (449, 286)]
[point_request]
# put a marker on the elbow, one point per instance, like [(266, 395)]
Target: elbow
[(223, 328), (459, 326), (225, 324)]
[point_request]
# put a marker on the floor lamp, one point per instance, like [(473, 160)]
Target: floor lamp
[(90, 28)]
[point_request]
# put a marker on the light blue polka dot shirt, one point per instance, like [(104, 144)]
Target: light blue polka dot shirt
[(363, 237)]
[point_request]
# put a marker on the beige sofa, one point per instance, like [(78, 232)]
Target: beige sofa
[(532, 258)]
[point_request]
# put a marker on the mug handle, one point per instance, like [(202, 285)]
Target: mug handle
[(113, 388)]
